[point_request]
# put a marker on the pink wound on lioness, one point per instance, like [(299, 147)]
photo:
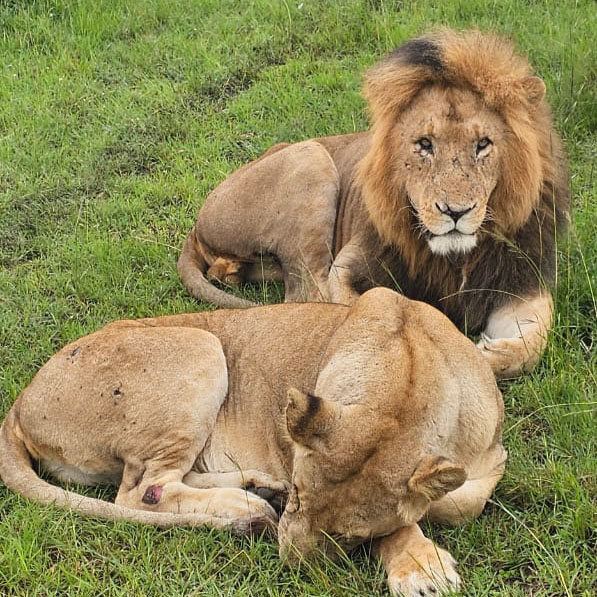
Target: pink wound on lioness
[(152, 494)]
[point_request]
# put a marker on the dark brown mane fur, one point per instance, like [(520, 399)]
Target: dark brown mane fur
[(529, 205)]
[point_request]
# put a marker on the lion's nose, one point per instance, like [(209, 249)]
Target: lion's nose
[(454, 213)]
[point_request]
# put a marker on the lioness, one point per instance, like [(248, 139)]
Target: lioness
[(186, 412), (453, 198)]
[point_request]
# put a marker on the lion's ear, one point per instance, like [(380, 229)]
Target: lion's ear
[(309, 418), (535, 89), (435, 476)]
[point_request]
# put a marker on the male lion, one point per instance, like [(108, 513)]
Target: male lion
[(186, 412), (454, 198)]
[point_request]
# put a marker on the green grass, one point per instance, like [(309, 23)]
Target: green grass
[(118, 118)]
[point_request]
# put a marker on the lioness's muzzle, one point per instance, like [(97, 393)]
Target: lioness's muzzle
[(295, 536)]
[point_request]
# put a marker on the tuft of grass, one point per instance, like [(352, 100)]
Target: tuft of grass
[(118, 118)]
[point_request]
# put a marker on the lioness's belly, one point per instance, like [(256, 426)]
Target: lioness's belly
[(251, 443)]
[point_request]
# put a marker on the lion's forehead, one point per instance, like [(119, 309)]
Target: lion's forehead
[(453, 115)]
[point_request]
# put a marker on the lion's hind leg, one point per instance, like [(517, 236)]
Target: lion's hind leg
[(282, 207)]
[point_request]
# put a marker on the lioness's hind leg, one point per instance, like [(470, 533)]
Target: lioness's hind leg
[(468, 501), (161, 489), (239, 479), (172, 384)]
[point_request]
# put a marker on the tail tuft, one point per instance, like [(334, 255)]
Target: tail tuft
[(191, 268)]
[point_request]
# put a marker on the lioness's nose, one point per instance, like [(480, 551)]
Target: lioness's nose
[(454, 213)]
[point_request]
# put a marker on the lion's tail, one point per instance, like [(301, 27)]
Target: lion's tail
[(191, 269), (18, 475)]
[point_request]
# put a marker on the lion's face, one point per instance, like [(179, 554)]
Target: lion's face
[(447, 159)]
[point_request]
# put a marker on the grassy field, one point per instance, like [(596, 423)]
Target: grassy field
[(117, 118)]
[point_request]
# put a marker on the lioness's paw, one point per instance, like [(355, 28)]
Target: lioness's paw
[(430, 572), (507, 357), (247, 505), (254, 478), (254, 526), (263, 485)]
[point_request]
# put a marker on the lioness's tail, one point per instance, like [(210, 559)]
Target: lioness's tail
[(191, 268), (17, 473)]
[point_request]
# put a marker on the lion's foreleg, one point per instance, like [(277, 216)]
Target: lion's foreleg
[(415, 565), (340, 280), (516, 335)]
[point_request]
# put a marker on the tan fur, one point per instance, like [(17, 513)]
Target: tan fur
[(503, 82), (516, 334), (186, 412), (468, 226)]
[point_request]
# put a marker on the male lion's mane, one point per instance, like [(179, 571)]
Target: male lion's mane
[(529, 204)]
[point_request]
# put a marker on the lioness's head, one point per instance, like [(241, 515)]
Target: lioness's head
[(351, 480), (461, 142), (381, 436)]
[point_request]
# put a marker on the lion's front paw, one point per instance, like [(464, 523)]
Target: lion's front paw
[(429, 572), (508, 357)]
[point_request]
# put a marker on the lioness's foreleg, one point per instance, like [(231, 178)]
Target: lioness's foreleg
[(468, 501), (415, 565), (261, 484), (516, 335), (239, 479)]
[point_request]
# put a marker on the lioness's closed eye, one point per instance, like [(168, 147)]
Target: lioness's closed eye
[(454, 197)]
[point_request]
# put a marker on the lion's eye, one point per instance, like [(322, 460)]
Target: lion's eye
[(425, 144), (483, 144)]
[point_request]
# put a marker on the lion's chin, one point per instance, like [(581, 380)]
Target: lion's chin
[(452, 242)]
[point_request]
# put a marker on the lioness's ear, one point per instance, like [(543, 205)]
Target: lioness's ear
[(308, 417), (535, 89), (435, 476)]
